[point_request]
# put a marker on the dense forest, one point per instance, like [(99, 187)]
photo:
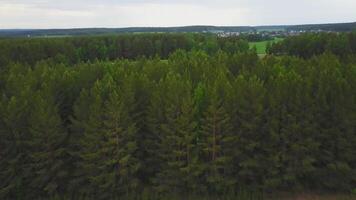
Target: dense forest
[(146, 116), (73, 50), (309, 45)]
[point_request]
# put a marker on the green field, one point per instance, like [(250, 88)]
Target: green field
[(261, 46)]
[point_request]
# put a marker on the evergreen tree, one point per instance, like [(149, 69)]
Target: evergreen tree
[(216, 141), (209, 120), (49, 153), (85, 136), (248, 110), (334, 119), (291, 129), (177, 137), (15, 172)]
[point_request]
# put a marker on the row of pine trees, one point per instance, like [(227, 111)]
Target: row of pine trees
[(73, 50), (192, 124), (310, 44)]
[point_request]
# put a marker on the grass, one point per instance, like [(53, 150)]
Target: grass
[(261, 46)]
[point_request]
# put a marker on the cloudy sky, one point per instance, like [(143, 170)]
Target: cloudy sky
[(126, 13)]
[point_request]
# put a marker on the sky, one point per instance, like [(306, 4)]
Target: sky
[(152, 13)]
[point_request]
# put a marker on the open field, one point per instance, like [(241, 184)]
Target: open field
[(261, 46)]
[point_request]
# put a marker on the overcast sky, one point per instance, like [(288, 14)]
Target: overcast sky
[(127, 13)]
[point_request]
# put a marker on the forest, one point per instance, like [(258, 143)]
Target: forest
[(176, 116)]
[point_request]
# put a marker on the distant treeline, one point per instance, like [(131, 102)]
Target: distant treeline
[(312, 44), (128, 30), (82, 49), (336, 27), (197, 123)]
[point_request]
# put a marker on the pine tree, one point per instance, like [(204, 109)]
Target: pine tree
[(85, 135), (291, 129), (216, 140), (249, 116), (177, 137), (14, 169), (154, 118), (108, 155), (137, 90), (118, 146), (48, 154), (334, 119)]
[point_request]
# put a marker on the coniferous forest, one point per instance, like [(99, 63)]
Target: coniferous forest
[(154, 116)]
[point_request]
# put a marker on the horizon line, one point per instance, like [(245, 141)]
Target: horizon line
[(180, 26)]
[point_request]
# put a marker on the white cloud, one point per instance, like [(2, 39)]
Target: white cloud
[(124, 13)]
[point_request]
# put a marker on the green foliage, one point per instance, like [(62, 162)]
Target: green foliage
[(74, 50), (216, 139), (312, 44), (214, 122), (49, 153)]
